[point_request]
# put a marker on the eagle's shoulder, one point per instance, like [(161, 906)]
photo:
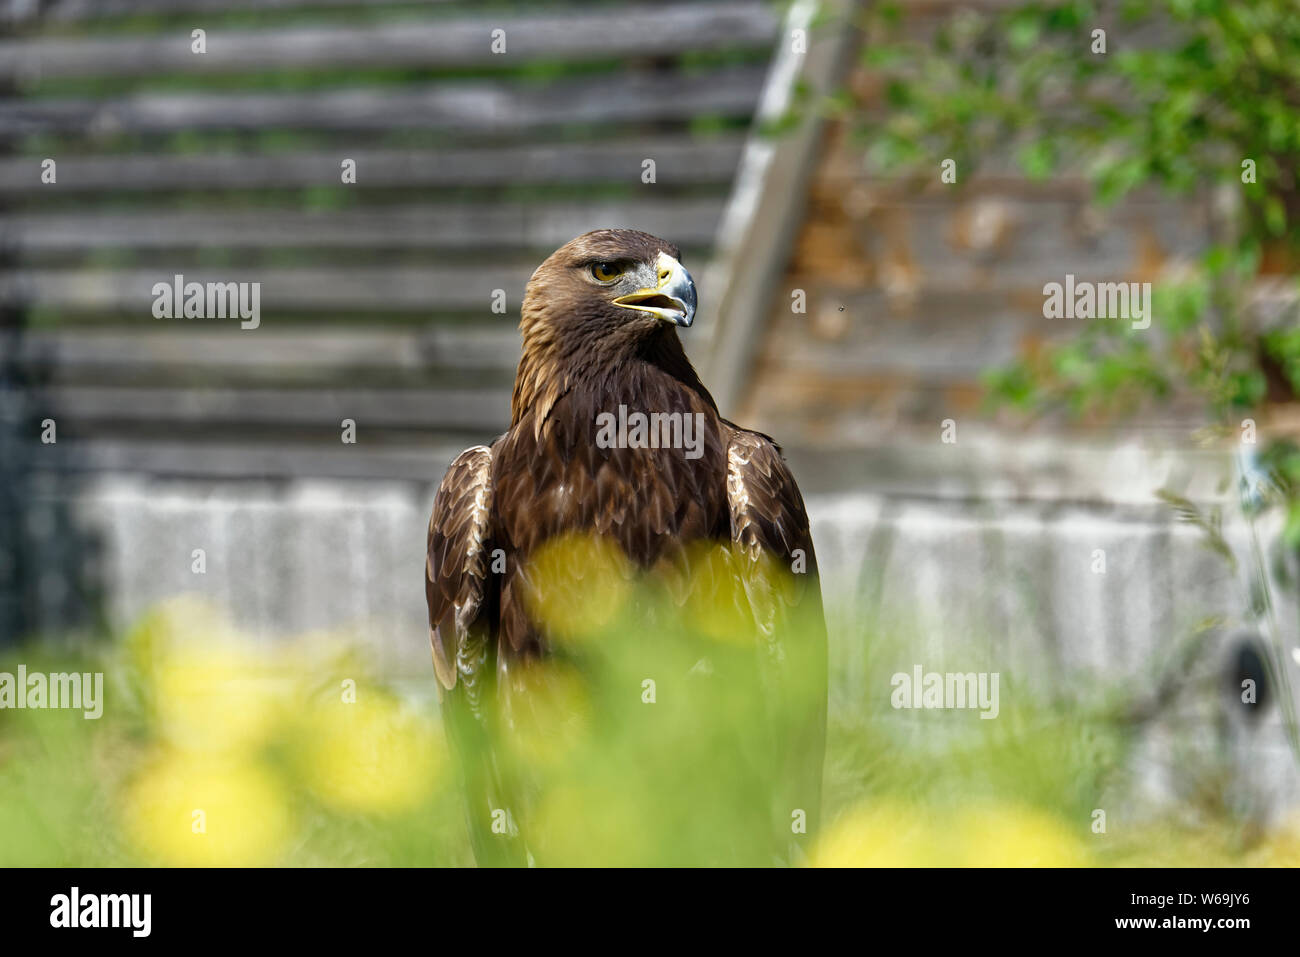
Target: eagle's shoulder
[(457, 555)]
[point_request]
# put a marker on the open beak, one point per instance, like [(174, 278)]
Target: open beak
[(672, 299)]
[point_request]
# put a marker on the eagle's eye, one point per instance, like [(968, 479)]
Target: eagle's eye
[(605, 272)]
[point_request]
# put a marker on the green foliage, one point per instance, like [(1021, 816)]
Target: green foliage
[(1186, 93), (296, 754)]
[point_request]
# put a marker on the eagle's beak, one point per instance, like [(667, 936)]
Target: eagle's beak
[(672, 299)]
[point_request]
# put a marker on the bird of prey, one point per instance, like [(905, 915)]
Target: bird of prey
[(712, 512)]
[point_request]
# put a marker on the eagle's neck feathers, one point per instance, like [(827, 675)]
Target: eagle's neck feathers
[(612, 367)]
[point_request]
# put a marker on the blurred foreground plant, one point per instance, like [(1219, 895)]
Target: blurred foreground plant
[(293, 755), (216, 749)]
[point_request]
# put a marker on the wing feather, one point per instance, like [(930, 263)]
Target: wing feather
[(778, 568), (456, 567), (463, 600)]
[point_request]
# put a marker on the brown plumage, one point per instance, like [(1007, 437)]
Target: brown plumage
[(592, 343)]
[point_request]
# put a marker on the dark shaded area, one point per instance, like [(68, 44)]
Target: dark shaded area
[(49, 564), (1250, 663)]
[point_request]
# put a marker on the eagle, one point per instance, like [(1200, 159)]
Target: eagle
[(685, 541)]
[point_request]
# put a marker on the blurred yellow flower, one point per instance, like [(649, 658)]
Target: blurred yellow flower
[(982, 835), (576, 586), (1016, 836), (221, 697), (880, 835), (373, 755), (213, 689), (716, 603), (189, 810), (725, 593)]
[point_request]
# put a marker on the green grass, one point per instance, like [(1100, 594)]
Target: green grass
[(287, 771)]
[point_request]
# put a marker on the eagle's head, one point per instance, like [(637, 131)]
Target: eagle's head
[(608, 289), (606, 299)]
